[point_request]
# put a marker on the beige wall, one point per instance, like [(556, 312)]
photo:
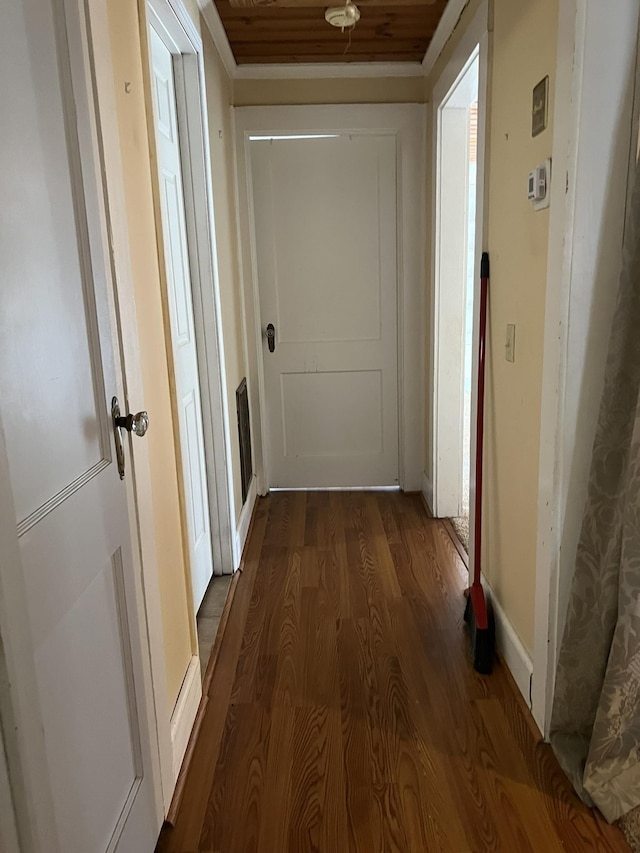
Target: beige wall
[(219, 95), (383, 90), (127, 62), (517, 239)]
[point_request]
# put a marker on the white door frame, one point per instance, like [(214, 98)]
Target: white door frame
[(448, 403), (594, 87), (20, 714), (175, 27), (406, 121), (475, 39)]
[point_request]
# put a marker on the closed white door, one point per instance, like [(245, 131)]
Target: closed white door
[(183, 341), (58, 373), (325, 226)]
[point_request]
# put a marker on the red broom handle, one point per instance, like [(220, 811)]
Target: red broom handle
[(484, 287)]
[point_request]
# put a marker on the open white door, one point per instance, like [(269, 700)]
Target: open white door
[(68, 557)]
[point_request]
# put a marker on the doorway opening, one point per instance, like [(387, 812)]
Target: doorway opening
[(456, 192)]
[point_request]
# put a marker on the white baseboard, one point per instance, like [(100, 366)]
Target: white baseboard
[(243, 523), (184, 714), (427, 491), (512, 652)]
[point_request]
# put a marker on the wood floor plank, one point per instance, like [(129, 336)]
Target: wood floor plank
[(518, 782), (318, 812), (288, 684), (344, 714), (255, 640), (317, 670), (274, 826), (239, 782), (355, 691)]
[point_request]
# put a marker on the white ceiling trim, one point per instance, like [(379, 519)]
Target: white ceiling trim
[(447, 24), (319, 70), (219, 35), (324, 70)]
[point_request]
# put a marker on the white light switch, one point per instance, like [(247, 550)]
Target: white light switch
[(510, 345)]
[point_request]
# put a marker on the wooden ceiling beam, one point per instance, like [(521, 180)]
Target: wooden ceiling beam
[(386, 56), (317, 47), (371, 19), (301, 4), (289, 30), (385, 40), (420, 18)]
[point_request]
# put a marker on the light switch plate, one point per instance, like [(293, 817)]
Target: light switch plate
[(544, 202)]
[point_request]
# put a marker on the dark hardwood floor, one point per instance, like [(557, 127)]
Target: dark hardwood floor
[(344, 714)]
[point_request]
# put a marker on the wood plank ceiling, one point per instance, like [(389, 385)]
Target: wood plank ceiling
[(297, 32)]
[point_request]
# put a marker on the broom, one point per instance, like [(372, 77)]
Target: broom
[(477, 613)]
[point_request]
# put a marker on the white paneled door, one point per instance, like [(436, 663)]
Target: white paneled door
[(183, 341), (325, 226), (59, 368)]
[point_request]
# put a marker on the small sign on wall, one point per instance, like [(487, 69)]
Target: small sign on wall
[(539, 107)]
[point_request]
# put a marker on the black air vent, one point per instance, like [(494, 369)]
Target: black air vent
[(244, 432)]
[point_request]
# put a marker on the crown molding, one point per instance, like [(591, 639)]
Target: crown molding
[(447, 24), (328, 70), (219, 35)]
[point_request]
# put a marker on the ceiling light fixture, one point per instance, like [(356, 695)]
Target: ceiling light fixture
[(343, 16)]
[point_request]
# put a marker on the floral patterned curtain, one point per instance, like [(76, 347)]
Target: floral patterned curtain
[(595, 724)]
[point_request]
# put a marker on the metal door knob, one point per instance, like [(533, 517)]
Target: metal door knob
[(271, 337)]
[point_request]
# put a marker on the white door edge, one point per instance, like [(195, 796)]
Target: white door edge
[(174, 25), (407, 121)]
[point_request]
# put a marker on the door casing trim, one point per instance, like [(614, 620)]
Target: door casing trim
[(476, 36), (407, 123)]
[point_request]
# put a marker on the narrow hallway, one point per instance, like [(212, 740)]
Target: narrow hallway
[(344, 714)]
